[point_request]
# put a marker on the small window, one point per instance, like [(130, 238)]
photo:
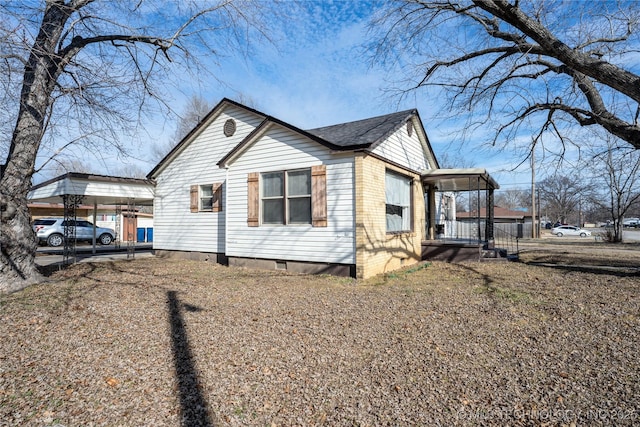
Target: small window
[(206, 198), (397, 202), (286, 197)]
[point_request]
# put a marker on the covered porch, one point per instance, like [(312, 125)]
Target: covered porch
[(477, 240)]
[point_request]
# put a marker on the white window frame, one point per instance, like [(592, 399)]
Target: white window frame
[(398, 198), (201, 197)]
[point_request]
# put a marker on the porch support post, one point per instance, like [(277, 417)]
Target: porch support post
[(478, 209), (489, 217), (431, 196)]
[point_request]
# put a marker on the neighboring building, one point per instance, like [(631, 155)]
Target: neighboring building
[(501, 215), (245, 188)]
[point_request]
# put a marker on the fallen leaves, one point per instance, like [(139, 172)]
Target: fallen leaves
[(111, 382), (417, 350)]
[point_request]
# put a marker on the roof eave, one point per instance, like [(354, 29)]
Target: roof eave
[(215, 111), (237, 151)]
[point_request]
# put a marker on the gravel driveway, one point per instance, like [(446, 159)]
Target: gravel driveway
[(167, 343)]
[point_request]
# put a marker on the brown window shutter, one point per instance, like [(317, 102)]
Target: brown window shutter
[(194, 198), (217, 197), (319, 196), (253, 199)]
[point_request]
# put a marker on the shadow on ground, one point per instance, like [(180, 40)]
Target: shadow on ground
[(193, 406)]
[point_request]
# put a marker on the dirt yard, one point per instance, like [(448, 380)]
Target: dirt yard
[(553, 340)]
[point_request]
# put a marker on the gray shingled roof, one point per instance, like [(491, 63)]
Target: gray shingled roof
[(362, 132)]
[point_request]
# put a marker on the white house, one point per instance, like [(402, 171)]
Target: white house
[(245, 188)]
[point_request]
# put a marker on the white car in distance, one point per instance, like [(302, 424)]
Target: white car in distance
[(569, 230)]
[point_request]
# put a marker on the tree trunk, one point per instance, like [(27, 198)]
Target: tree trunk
[(17, 240), (619, 229), (18, 268)]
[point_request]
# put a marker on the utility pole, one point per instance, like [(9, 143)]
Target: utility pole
[(534, 229)]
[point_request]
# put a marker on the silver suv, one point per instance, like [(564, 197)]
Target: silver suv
[(51, 231)]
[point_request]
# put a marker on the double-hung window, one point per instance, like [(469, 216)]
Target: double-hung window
[(206, 197), (286, 197), (397, 202)]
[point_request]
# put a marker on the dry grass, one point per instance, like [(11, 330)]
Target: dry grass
[(157, 342)]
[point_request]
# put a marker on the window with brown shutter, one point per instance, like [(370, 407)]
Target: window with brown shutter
[(253, 199), (216, 205), (206, 197), (194, 198), (319, 196), (288, 197)]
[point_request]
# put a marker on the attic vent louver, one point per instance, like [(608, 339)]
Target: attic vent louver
[(229, 127), (410, 128)]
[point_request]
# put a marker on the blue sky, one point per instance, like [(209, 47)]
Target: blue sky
[(318, 75)]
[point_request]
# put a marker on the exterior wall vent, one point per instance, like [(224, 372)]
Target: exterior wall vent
[(229, 127)]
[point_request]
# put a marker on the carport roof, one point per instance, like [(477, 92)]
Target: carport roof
[(95, 189)]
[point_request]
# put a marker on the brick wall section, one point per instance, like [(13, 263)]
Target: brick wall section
[(376, 251)]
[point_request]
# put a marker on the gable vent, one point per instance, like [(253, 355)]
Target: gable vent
[(410, 128), (229, 127)]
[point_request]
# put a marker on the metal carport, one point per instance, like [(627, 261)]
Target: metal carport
[(74, 188)]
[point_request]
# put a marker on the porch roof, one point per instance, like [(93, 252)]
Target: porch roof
[(468, 179)]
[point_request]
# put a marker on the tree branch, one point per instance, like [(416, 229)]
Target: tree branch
[(609, 74)]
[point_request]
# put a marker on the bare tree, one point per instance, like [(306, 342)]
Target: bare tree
[(560, 197), (513, 198), (616, 174), (94, 69), (530, 67)]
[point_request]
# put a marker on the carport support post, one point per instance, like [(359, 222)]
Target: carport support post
[(70, 203), (131, 222), (95, 216)]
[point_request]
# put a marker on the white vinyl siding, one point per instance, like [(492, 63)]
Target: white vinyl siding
[(280, 149), (175, 227), (404, 150)]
